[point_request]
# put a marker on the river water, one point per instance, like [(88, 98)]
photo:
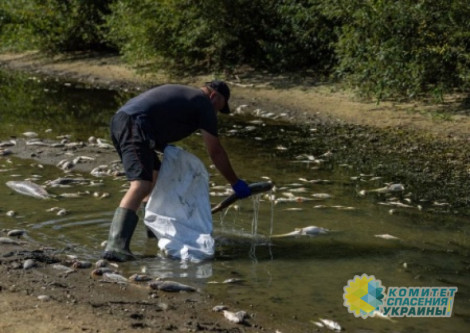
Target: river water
[(296, 280)]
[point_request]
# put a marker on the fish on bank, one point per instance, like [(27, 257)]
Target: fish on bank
[(171, 286), (235, 317), (139, 278), (255, 189), (307, 231), (28, 188)]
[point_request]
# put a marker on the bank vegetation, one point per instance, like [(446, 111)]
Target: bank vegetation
[(381, 49)]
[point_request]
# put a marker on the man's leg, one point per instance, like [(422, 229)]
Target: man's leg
[(150, 234), (125, 221)]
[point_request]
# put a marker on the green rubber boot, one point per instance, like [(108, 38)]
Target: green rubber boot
[(120, 234), (150, 234)]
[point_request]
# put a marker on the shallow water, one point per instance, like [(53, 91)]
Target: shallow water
[(297, 280)]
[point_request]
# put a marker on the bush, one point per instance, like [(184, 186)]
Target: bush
[(73, 25), (16, 32), (383, 49), (222, 34), (403, 48)]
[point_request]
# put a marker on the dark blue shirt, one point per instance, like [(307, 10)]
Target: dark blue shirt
[(171, 112)]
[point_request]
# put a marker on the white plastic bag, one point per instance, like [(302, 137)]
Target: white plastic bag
[(178, 211)]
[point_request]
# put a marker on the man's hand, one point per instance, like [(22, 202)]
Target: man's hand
[(241, 189)]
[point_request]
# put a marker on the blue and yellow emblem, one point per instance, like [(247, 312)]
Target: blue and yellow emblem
[(363, 295)]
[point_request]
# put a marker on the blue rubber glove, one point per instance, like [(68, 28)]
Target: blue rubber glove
[(241, 189)]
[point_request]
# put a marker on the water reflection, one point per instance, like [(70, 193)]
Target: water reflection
[(168, 268)]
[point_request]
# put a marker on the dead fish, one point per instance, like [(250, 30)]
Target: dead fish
[(100, 171), (66, 165), (235, 317), (386, 236), (291, 198), (44, 298), (7, 143), (99, 272), (81, 264), (219, 308), (29, 263), (11, 213), (396, 204), (101, 263), (36, 142), (30, 134), (255, 189), (378, 314), (63, 268), (81, 159), (79, 144), (227, 281), (5, 152), (8, 241), (330, 324), (114, 278), (392, 188), (29, 188), (16, 233), (139, 278), (99, 195), (232, 280), (321, 195), (62, 212), (307, 231), (101, 143), (67, 181), (171, 286)]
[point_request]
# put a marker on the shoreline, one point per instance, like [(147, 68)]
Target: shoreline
[(300, 99)]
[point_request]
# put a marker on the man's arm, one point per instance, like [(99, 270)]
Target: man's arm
[(219, 156)]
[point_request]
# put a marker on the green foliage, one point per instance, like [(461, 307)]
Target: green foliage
[(72, 25), (403, 48), (222, 34), (16, 32), (55, 25), (383, 49)]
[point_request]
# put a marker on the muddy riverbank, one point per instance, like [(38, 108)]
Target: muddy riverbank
[(76, 302)]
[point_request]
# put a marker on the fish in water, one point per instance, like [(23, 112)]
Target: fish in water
[(29, 188), (255, 189), (386, 236), (8, 241), (330, 324), (171, 286), (307, 231)]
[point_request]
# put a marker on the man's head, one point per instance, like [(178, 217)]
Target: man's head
[(221, 88)]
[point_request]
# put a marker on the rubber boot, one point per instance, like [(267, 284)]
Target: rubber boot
[(120, 234), (150, 233)]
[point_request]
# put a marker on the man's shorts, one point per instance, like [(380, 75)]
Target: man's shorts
[(138, 157)]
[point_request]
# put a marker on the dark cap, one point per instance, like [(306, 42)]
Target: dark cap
[(222, 88)]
